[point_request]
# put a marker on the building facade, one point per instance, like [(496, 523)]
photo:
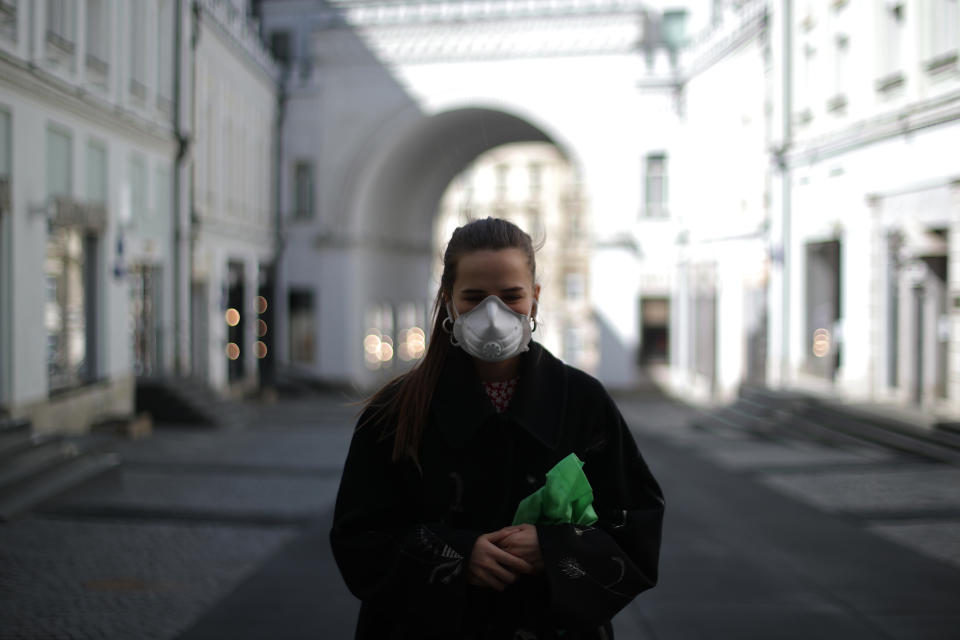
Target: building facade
[(134, 212), (869, 210), (822, 134), (233, 199), (720, 200), (87, 161), (386, 103)]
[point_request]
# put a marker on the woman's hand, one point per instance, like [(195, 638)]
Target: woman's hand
[(493, 567), (523, 543)]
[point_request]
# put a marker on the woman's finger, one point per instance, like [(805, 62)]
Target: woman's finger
[(497, 536), (510, 561)]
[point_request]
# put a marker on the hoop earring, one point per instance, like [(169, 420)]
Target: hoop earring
[(534, 328), (443, 325)]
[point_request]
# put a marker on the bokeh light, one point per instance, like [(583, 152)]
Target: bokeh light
[(821, 342), (233, 350), (260, 349), (232, 317), (260, 304), (261, 328), (412, 344)]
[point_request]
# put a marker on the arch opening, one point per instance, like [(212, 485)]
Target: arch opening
[(403, 216)]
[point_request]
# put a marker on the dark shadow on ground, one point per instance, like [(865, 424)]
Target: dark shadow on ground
[(298, 593)]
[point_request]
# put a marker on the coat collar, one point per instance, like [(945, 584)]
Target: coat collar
[(538, 405)]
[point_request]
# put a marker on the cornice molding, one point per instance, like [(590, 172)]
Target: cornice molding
[(241, 38), (915, 117), (718, 44), (37, 84)]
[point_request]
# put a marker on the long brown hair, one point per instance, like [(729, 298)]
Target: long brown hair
[(406, 399)]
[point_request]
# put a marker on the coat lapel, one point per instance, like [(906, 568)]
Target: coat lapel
[(538, 406)]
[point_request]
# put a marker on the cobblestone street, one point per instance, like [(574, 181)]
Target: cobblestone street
[(223, 534)]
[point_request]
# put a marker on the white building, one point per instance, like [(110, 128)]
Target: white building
[(233, 200), (719, 195), (868, 210), (87, 166), (386, 103), (824, 137), (132, 216)]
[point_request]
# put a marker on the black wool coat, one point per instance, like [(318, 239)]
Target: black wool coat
[(402, 536)]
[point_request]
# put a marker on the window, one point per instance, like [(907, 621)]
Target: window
[(6, 145), (944, 30), (841, 72), (163, 193), (138, 49), (303, 189), (280, 46), (59, 163), (574, 286), (572, 344), (165, 60), (61, 18), (806, 82), (501, 172), (8, 19), (655, 185), (891, 38), (138, 189), (98, 40), (96, 172), (535, 170)]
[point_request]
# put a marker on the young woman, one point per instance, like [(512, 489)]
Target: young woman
[(443, 455)]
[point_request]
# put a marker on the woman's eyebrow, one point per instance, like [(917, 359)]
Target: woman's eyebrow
[(507, 290)]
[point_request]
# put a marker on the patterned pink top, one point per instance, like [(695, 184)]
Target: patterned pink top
[(500, 393)]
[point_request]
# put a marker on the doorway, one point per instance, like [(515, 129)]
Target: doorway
[(654, 330), (823, 295), (145, 313)]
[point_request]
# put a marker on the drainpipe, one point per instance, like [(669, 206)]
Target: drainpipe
[(178, 230), (786, 177), (276, 285)]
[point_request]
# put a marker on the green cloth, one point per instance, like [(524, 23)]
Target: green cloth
[(566, 497)]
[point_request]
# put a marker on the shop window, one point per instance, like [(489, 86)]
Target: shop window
[(302, 327), (69, 310)]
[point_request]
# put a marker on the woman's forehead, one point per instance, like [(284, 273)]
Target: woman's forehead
[(499, 268)]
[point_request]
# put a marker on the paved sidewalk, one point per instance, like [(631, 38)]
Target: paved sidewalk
[(223, 534)]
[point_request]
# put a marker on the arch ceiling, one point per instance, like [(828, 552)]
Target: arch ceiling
[(403, 195)]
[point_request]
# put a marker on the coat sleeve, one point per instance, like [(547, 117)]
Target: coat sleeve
[(403, 568), (593, 572)]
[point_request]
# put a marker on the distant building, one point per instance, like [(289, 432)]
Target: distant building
[(133, 217), (87, 162), (868, 201), (533, 185), (233, 201), (720, 197), (385, 103), (820, 204)]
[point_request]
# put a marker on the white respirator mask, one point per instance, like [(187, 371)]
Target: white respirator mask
[(491, 331)]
